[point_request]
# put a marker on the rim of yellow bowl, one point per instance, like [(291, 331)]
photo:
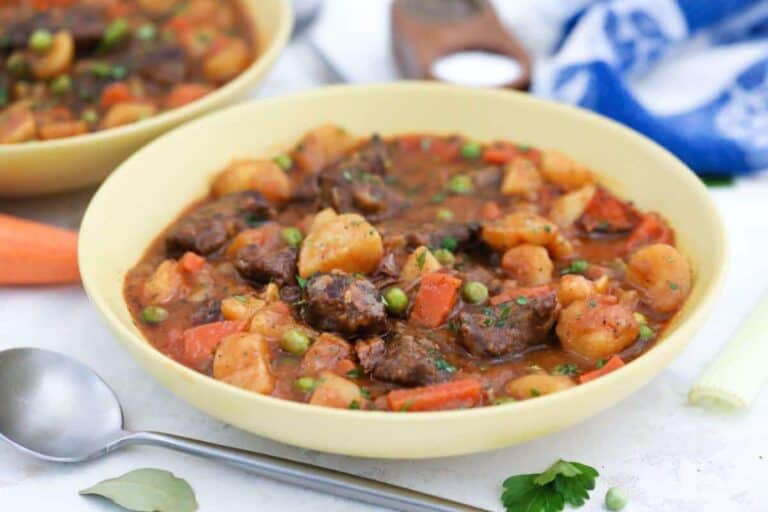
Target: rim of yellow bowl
[(659, 355)]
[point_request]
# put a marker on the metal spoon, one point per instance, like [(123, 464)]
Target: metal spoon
[(58, 409)]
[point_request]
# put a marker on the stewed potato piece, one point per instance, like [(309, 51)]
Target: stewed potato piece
[(531, 386), (345, 242), (264, 176), (338, 392), (662, 275), (529, 265), (596, 328), (242, 359), (564, 171), (420, 261)]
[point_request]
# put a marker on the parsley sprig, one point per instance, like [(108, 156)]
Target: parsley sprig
[(563, 482)]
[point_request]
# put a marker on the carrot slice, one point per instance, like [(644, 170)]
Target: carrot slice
[(116, 92), (34, 253), (652, 229), (528, 293), (192, 262), (606, 212), (185, 93), (447, 395), (499, 154), (490, 211), (435, 299), (614, 363), (200, 342)]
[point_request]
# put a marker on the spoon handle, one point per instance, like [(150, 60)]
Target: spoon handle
[(305, 475)]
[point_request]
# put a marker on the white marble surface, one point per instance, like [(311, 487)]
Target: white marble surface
[(666, 454)]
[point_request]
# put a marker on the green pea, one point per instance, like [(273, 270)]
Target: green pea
[(284, 161), (474, 292), (61, 84), (16, 64), (445, 257), (294, 341), (471, 150), (118, 72), (615, 499), (154, 314), (444, 214), (101, 70), (306, 384), (89, 116), (40, 41), (396, 300), (115, 33), (292, 236), (646, 333), (579, 266), (461, 184), (147, 31)]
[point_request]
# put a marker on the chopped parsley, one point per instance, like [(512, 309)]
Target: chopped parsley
[(438, 198), (347, 175), (302, 282), (563, 482), (601, 363), (673, 286), (354, 405), (421, 258), (453, 325), (365, 393), (535, 392), (568, 369), (522, 300), (240, 298), (355, 373), (444, 365)]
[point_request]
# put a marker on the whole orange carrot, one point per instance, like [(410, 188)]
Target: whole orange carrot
[(34, 253)]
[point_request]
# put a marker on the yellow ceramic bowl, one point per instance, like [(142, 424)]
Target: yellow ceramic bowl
[(46, 167), (153, 186)]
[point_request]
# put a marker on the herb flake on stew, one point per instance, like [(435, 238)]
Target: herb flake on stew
[(444, 365), (549, 491), (568, 369), (421, 259), (301, 281)]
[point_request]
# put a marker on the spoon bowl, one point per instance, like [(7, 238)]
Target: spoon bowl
[(54, 407)]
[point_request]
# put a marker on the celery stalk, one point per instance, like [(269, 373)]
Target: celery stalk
[(736, 375)]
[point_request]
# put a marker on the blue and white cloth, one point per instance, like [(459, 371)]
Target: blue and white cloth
[(608, 48), (691, 74)]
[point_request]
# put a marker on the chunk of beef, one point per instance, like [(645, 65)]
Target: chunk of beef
[(508, 327), (405, 360), (165, 64), (487, 177), (209, 312), (259, 265), (210, 227), (370, 352), (464, 236), (357, 184), (324, 354), (87, 24), (343, 303)]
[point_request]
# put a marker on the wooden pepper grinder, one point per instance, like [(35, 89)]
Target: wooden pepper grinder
[(426, 31)]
